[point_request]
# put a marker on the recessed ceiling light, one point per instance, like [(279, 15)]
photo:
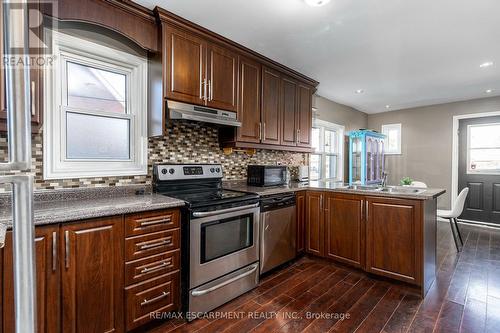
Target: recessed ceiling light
[(387, 106), (486, 64), (489, 91), (316, 3), (359, 91)]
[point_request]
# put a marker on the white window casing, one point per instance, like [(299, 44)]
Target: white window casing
[(393, 139), (338, 155), (56, 164)]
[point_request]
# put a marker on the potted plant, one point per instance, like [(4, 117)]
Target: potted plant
[(406, 181)]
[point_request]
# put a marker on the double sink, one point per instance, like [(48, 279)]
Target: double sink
[(386, 189)]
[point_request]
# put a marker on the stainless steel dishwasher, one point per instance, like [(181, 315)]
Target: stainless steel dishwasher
[(278, 230)]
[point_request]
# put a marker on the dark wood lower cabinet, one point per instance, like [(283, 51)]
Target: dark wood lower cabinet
[(345, 229), (394, 238), (47, 281), (92, 276), (314, 242), (301, 219)]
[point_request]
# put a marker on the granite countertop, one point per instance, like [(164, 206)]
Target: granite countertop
[(241, 185), (59, 207)]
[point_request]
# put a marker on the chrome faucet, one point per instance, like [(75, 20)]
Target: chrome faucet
[(384, 178)]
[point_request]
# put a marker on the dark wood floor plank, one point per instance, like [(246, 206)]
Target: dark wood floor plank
[(493, 315), (332, 280), (309, 283), (362, 308), (341, 306), (239, 314), (401, 319), (474, 317), (457, 290), (450, 318), (261, 314), (494, 280), (381, 313)]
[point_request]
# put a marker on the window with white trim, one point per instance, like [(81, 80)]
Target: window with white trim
[(96, 111), (483, 149), (326, 162), (392, 139)]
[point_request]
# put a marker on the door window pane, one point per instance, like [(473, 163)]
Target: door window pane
[(95, 89), (316, 133), (484, 160), (97, 137), (331, 166), (484, 136), (315, 167)]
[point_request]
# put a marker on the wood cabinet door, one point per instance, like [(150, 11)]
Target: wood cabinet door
[(393, 238), (222, 68), (289, 117), (314, 243), (345, 229), (271, 113), (185, 62), (92, 276), (249, 101), (304, 115), (47, 281), (301, 219)]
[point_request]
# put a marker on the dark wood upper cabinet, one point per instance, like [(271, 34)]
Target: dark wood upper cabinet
[(394, 238), (289, 111), (47, 281), (249, 101), (271, 115), (222, 68), (304, 115), (92, 276), (314, 242), (184, 65), (345, 229), (301, 219)]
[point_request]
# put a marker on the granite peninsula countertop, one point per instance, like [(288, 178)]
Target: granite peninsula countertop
[(65, 206), (241, 185)]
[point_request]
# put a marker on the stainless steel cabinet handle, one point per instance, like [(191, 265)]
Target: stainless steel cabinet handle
[(33, 95), (205, 89), (321, 202), (152, 269), (225, 283), (201, 89), (145, 246), (155, 299), (264, 131), (54, 251), (296, 136), (260, 131), (223, 211), (66, 242), (366, 210), (152, 222)]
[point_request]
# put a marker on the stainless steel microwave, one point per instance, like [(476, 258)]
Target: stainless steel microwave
[(266, 175)]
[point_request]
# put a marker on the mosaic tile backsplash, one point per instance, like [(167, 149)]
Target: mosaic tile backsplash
[(187, 142)]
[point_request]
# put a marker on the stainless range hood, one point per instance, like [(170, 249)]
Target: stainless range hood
[(178, 110)]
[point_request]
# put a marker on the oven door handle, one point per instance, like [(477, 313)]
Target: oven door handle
[(224, 211), (225, 283)]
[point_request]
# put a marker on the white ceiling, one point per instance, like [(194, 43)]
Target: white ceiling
[(402, 53)]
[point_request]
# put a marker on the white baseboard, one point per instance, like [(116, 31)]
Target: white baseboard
[(473, 223)]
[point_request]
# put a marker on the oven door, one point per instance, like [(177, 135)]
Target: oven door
[(222, 241)]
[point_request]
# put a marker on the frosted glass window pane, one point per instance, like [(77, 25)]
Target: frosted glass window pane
[(485, 136), (96, 89), (97, 137), (315, 167), (315, 139)]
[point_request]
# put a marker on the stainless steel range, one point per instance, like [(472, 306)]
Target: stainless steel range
[(220, 235)]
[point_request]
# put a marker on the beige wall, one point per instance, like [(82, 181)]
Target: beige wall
[(427, 141), (340, 114)]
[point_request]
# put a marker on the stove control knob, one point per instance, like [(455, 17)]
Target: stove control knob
[(171, 171), (164, 171), (218, 170), (212, 170)]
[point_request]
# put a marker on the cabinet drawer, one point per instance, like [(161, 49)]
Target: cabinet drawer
[(155, 295), (145, 222), (149, 244), (150, 267)]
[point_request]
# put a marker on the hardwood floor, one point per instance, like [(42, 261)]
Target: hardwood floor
[(464, 298)]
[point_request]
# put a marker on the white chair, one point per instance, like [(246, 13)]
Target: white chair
[(453, 214), (418, 184)]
